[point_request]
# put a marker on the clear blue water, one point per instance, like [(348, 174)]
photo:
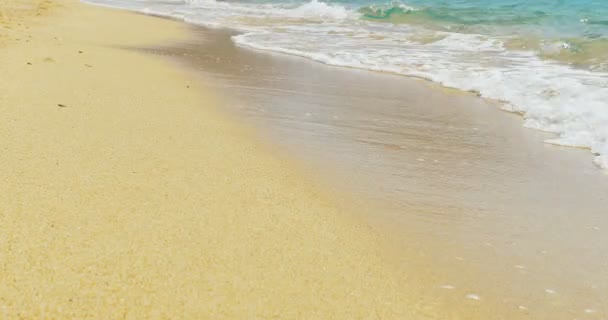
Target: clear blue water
[(546, 59)]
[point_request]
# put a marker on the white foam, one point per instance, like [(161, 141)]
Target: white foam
[(571, 103), (319, 9)]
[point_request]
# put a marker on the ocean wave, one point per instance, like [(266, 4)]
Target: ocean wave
[(319, 9), (449, 17), (544, 79)]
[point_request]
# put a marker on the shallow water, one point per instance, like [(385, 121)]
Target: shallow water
[(514, 227)]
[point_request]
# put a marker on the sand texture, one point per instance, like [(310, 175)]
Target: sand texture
[(125, 194)]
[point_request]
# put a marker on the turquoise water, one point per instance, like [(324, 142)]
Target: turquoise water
[(557, 18), (547, 60)]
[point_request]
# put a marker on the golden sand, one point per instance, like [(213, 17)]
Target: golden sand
[(125, 194)]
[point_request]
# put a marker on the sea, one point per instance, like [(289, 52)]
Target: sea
[(544, 59)]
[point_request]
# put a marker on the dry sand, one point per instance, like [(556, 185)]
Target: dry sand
[(125, 194)]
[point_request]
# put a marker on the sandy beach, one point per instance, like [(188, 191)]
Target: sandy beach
[(126, 194), (152, 169)]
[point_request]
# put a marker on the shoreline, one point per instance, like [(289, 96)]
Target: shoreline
[(569, 127), (152, 191), (127, 193)]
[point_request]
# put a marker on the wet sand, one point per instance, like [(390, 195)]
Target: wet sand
[(501, 216), (127, 192)]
